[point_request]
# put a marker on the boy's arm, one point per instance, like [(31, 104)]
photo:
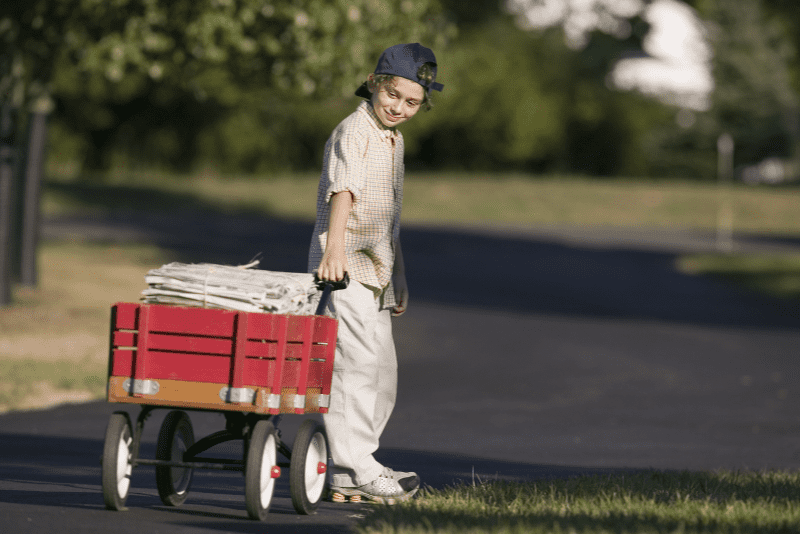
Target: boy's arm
[(399, 282), (334, 262)]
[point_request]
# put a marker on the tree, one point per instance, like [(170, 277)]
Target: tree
[(124, 50), (526, 100), (755, 100), (755, 69)]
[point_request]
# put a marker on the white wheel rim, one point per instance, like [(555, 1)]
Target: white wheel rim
[(180, 475), (268, 461), (124, 467), (315, 481)]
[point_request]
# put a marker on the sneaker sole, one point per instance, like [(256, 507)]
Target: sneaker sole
[(356, 496), (342, 498)]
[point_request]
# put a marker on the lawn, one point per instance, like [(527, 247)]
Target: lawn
[(643, 502), (462, 198), (54, 339), (773, 274)]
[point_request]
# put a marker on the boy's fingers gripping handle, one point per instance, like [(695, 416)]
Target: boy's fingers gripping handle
[(327, 286), (333, 284)]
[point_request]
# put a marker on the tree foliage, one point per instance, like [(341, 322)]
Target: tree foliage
[(755, 98), (254, 85), (310, 46), (106, 61), (526, 101)]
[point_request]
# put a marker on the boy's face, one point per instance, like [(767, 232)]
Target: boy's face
[(395, 102)]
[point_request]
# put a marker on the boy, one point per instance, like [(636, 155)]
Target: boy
[(357, 229)]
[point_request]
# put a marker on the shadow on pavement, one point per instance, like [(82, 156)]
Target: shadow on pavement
[(52, 471), (70, 468), (466, 269), (536, 276)]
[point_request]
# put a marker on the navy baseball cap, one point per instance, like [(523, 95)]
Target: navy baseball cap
[(404, 60)]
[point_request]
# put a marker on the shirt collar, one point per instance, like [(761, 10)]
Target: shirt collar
[(383, 131)]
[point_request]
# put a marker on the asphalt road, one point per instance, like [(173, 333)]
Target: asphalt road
[(525, 353)]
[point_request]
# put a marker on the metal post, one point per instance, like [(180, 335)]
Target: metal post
[(6, 201), (725, 147), (29, 238)]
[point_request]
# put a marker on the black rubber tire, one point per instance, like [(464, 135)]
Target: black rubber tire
[(116, 464), (306, 484), (174, 439), (262, 457)]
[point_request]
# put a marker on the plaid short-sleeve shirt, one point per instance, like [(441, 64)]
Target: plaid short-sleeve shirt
[(363, 157)]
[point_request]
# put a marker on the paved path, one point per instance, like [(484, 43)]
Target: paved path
[(526, 353)]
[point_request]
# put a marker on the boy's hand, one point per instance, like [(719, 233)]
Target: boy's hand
[(400, 295), (332, 267)]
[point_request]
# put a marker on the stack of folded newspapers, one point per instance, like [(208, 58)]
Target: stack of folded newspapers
[(231, 288)]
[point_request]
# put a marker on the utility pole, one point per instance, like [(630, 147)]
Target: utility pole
[(31, 194), (724, 182)]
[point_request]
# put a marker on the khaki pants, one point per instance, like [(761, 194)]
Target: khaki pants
[(364, 385)]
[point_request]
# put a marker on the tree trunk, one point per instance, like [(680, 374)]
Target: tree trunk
[(6, 201)]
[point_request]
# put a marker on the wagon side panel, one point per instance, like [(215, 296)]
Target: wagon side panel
[(220, 360)]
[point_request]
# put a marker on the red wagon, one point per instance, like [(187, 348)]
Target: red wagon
[(252, 367)]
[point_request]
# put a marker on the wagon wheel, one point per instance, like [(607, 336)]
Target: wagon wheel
[(261, 470), (174, 439), (117, 465), (307, 470)]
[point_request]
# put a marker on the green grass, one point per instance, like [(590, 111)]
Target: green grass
[(773, 274), (24, 380), (457, 198), (54, 338), (645, 502), (519, 199)]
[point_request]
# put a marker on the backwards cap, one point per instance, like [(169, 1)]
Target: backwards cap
[(404, 60)]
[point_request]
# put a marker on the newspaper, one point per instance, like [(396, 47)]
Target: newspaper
[(227, 287)]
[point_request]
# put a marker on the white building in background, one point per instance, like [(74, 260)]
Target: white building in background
[(677, 67)]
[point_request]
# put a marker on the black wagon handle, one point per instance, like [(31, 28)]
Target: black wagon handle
[(327, 286)]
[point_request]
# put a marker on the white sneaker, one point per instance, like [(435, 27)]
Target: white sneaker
[(391, 487)]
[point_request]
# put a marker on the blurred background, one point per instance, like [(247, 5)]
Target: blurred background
[(592, 87)]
